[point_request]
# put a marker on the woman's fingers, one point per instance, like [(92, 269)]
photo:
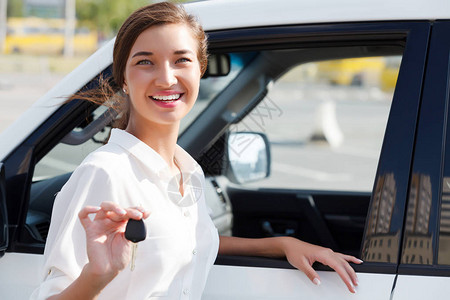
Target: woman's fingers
[(113, 208), (350, 270), (145, 213), (83, 215), (116, 213), (351, 259), (345, 276), (339, 262), (302, 256), (305, 266), (134, 213)]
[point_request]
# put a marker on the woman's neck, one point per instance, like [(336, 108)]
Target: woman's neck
[(161, 138)]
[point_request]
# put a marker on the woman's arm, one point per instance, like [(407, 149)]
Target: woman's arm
[(86, 286), (300, 254), (107, 249)]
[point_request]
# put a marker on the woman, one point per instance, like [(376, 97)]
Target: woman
[(159, 58)]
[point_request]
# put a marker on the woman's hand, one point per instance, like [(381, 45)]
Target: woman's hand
[(302, 255), (107, 249)]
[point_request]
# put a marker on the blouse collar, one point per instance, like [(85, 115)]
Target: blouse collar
[(150, 157)]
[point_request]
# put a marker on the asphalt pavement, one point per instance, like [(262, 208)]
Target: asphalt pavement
[(19, 90)]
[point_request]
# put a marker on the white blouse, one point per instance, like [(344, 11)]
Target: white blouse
[(181, 244)]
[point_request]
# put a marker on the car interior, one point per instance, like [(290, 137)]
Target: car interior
[(329, 217)]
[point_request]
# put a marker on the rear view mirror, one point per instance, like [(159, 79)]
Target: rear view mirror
[(3, 213), (218, 65), (248, 156)]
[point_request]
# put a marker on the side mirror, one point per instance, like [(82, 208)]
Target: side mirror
[(3, 213), (248, 155), (218, 65)]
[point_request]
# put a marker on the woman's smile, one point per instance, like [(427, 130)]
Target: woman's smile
[(167, 100)]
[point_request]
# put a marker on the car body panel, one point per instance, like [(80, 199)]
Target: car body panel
[(227, 282), (256, 13), (410, 287), (10, 285)]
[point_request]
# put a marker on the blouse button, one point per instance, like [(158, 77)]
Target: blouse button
[(186, 214), (194, 251), (186, 291)]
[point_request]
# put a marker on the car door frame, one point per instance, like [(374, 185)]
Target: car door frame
[(377, 277), (426, 278), (4, 235)]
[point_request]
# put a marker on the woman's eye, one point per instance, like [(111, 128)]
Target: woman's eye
[(144, 62), (183, 60)]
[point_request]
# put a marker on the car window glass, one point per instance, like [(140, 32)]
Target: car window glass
[(64, 158), (325, 122)]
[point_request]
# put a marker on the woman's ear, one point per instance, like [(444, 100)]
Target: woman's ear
[(125, 88)]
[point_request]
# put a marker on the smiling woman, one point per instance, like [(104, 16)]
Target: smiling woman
[(159, 58)]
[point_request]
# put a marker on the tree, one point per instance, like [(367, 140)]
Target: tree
[(106, 15), (15, 8)]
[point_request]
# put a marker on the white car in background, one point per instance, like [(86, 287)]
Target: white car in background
[(359, 169)]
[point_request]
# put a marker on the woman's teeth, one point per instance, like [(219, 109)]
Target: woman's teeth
[(168, 98)]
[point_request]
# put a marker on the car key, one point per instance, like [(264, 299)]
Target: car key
[(135, 232)]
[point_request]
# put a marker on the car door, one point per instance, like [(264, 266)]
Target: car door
[(365, 222), (424, 271)]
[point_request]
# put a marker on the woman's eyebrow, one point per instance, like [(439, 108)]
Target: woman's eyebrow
[(183, 51), (148, 53), (142, 53)]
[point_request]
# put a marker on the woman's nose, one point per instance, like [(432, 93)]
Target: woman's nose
[(166, 76)]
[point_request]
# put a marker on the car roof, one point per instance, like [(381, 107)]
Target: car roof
[(223, 14), (230, 14)]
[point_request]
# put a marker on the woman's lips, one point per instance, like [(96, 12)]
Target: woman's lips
[(167, 101)]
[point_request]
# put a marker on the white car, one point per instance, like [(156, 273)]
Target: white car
[(360, 164)]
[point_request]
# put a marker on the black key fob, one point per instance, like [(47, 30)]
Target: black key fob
[(135, 230)]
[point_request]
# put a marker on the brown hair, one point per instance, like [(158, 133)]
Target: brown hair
[(140, 20), (145, 17)]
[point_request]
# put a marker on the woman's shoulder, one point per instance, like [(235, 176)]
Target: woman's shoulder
[(107, 157)]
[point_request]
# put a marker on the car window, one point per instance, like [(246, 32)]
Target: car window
[(325, 121)]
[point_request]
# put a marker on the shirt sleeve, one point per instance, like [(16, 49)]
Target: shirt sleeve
[(65, 251)]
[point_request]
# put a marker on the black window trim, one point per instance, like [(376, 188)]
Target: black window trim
[(432, 139)]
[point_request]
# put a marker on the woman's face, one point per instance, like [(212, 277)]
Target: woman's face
[(162, 75)]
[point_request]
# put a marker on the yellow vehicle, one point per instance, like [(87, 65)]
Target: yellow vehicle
[(354, 71), (390, 73), (45, 36)]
